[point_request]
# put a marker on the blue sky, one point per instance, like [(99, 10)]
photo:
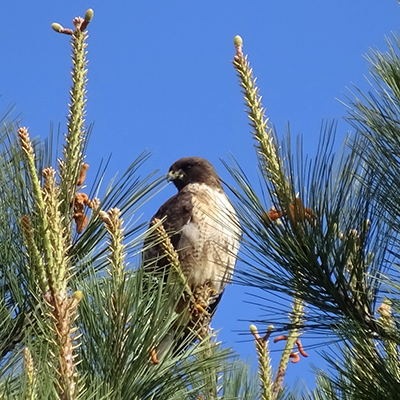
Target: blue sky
[(160, 78)]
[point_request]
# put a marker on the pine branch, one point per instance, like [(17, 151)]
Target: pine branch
[(56, 273), (72, 162), (266, 141), (116, 247), (53, 205), (264, 362), (296, 320), (309, 262), (391, 348), (295, 212), (171, 255), (30, 375), (119, 319), (52, 275), (35, 258), (44, 232)]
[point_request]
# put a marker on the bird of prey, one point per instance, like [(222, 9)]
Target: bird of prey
[(204, 230)]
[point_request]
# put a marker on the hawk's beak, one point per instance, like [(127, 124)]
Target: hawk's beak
[(174, 175)]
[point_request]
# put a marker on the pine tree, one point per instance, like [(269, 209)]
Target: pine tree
[(330, 240), (78, 322)]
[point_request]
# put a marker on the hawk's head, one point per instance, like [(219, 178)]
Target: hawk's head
[(193, 170)]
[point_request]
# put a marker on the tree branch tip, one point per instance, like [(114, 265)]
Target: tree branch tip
[(89, 15), (253, 330), (48, 172), (82, 23), (155, 221), (60, 29), (57, 27), (384, 310), (73, 304), (22, 130), (238, 41), (270, 329), (78, 295), (104, 216)]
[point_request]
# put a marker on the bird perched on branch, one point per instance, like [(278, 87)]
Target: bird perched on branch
[(204, 232)]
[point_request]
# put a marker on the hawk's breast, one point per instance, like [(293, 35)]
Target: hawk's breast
[(209, 241)]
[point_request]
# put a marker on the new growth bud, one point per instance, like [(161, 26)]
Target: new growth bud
[(253, 329), (60, 29), (238, 41), (89, 15), (57, 27), (78, 295)]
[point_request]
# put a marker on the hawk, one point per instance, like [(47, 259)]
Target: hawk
[(204, 230)]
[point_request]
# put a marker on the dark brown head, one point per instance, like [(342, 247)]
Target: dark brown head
[(193, 170)]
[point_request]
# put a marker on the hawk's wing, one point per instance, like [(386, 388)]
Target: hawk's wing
[(176, 212)]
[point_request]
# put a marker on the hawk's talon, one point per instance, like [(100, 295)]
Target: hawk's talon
[(201, 308)]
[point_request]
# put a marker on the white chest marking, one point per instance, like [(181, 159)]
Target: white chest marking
[(210, 241)]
